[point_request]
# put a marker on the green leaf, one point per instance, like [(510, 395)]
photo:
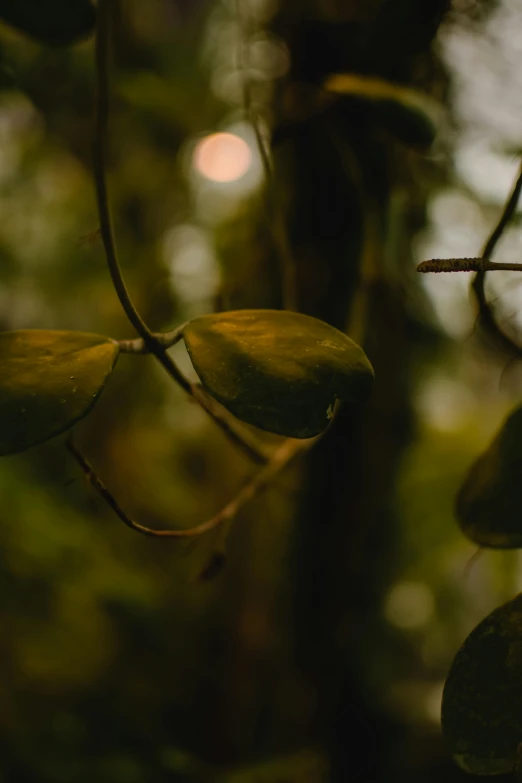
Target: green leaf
[(409, 115), (278, 370), (52, 22), (489, 502), (482, 700), (49, 380)]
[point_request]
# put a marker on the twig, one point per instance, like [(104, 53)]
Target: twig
[(482, 265), (99, 166), (224, 421), (486, 312), (198, 393), (466, 265), (165, 339), (282, 456), (287, 265), (286, 452), (507, 214), (150, 342), (218, 414)]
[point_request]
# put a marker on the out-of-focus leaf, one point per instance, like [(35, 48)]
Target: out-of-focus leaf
[(52, 22), (409, 115), (482, 700), (489, 502), (48, 381), (278, 370)]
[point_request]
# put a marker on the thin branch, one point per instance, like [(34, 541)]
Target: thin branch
[(282, 456), (217, 413), (483, 265), (486, 312), (436, 265), (505, 218), (165, 339), (285, 454), (100, 179), (228, 425), (99, 167), (150, 342), (287, 265)]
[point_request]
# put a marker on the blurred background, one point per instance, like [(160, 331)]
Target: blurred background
[(319, 653)]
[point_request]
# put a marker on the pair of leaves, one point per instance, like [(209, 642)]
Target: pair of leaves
[(51, 22), (482, 700), (277, 370), (489, 502)]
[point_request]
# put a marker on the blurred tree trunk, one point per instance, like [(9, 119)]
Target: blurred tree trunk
[(353, 198), (343, 173)]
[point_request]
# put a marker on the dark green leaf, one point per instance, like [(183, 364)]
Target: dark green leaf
[(52, 22), (482, 700), (489, 502), (406, 113), (278, 370), (48, 381)]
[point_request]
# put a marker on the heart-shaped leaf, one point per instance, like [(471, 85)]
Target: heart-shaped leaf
[(48, 381), (409, 115), (278, 370), (52, 22), (489, 502), (482, 700)]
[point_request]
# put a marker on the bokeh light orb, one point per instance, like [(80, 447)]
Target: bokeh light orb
[(222, 157)]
